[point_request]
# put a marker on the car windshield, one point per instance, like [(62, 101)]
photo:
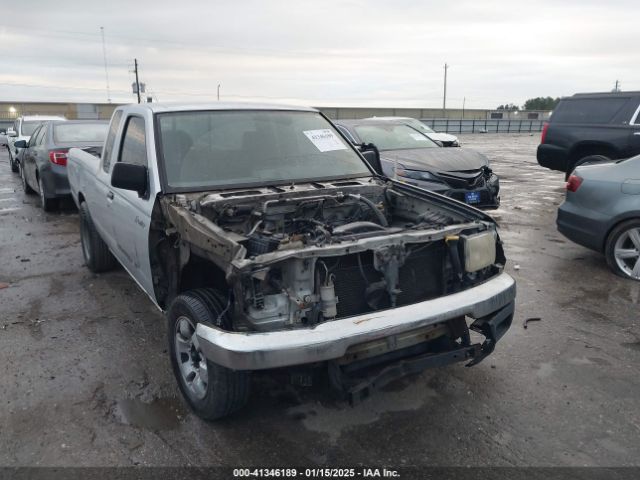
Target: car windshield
[(29, 127), (80, 132), (393, 137), (224, 148), (418, 125)]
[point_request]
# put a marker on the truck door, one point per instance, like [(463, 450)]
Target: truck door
[(101, 201), (131, 211)]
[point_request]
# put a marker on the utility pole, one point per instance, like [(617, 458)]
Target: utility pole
[(106, 71), (464, 100), (218, 92), (135, 68), (444, 98), (617, 87)]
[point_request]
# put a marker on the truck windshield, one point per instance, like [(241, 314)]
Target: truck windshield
[(223, 148)]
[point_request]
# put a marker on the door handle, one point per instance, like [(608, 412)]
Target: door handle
[(110, 195)]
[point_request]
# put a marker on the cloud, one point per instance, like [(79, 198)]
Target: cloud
[(353, 52)]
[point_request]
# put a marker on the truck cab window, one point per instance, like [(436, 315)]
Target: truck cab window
[(134, 145), (111, 138)]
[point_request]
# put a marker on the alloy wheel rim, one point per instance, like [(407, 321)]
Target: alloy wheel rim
[(191, 362), (627, 252)]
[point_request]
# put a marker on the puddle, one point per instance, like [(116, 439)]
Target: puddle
[(333, 420), (160, 414)]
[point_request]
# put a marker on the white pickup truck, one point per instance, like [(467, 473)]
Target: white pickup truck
[(269, 241)]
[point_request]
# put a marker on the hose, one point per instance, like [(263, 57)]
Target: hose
[(372, 206)]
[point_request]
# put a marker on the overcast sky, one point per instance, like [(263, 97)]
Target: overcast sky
[(387, 53)]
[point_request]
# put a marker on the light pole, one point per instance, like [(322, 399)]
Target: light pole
[(444, 97), (218, 92)]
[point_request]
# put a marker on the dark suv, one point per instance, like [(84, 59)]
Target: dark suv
[(588, 124)]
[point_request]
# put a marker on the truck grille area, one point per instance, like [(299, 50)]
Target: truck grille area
[(421, 278)]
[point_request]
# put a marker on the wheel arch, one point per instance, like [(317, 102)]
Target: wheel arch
[(591, 147)]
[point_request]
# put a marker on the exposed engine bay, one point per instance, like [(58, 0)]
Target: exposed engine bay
[(309, 253)]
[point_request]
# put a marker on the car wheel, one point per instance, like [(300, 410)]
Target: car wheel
[(211, 390), (25, 185), (585, 160), (48, 204), (96, 254), (12, 162), (623, 249)]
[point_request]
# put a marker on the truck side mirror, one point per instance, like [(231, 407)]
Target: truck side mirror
[(130, 177)]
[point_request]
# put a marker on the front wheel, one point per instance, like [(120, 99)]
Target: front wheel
[(211, 390), (25, 185), (623, 250), (12, 162)]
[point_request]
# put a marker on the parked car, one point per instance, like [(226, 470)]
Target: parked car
[(23, 128), (410, 156), (588, 124), (269, 241), (446, 139), (602, 212), (43, 161), (3, 138)]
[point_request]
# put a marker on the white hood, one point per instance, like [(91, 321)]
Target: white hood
[(442, 137)]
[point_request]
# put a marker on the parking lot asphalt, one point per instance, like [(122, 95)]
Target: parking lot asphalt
[(86, 379)]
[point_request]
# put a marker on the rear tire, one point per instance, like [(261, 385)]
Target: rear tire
[(211, 390), (47, 204), (596, 158), (96, 254), (622, 250)]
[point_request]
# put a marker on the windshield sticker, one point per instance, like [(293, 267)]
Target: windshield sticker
[(325, 140), (419, 137)]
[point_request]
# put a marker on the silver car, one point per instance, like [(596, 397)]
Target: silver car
[(602, 212)]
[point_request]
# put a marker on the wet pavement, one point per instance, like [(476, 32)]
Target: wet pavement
[(86, 380)]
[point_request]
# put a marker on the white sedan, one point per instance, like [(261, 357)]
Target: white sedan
[(446, 139)]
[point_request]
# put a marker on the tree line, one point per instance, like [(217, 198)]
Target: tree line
[(537, 103)]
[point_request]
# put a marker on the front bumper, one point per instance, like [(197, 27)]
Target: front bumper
[(489, 191), (330, 340)]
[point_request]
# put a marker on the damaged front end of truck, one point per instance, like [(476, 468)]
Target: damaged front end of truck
[(373, 278)]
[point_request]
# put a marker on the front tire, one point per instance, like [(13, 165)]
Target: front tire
[(25, 185), (96, 254), (212, 391), (12, 162), (622, 250)]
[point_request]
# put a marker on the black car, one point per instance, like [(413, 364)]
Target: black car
[(590, 124), (408, 155), (43, 162)]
